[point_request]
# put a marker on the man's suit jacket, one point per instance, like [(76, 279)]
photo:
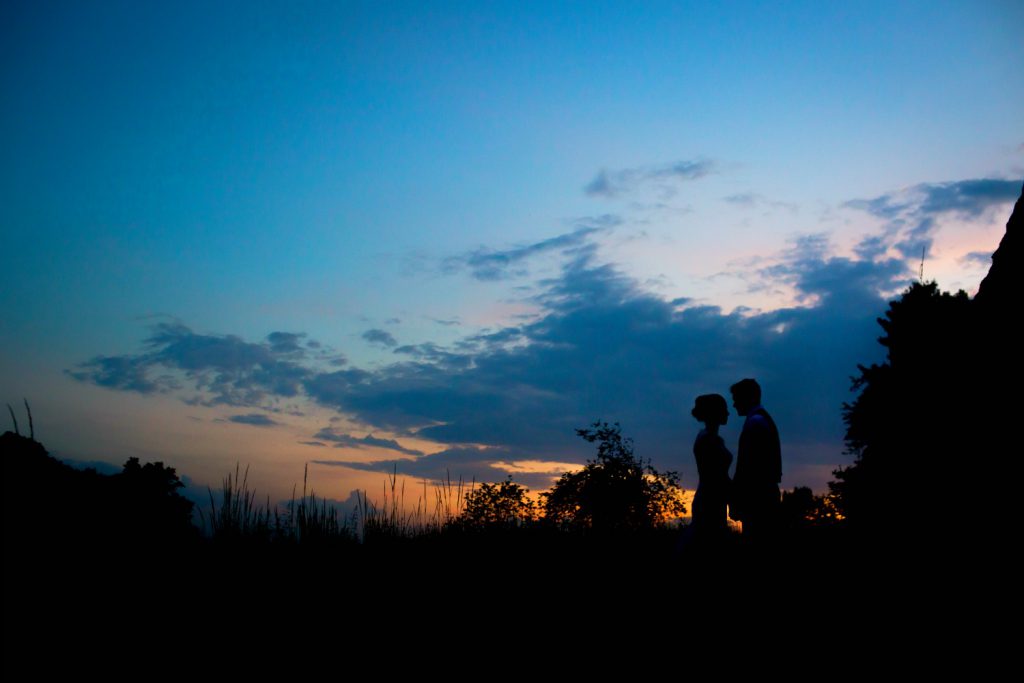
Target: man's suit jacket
[(758, 465)]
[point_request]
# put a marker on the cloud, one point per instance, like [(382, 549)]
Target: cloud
[(127, 373), (506, 335), (913, 214), (380, 337), (347, 440), (969, 197), (872, 247), (752, 200), (611, 184), (286, 343), (489, 264), (225, 370), (255, 419), (436, 354), (463, 463), (978, 259), (746, 199), (840, 281)]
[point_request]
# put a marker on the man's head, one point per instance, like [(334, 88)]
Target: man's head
[(746, 395)]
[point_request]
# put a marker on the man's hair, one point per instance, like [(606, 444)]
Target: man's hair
[(747, 390)]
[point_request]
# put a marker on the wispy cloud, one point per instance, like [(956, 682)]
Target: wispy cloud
[(479, 464), (614, 183), (977, 259), (816, 275), (347, 440), (254, 419), (453, 322), (491, 264), (912, 214), (752, 200), (434, 353)]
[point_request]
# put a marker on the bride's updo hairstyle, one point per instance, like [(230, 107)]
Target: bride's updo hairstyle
[(710, 407)]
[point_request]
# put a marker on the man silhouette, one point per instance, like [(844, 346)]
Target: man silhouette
[(755, 494)]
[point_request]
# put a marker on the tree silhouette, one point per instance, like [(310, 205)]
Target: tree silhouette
[(498, 505), (616, 491), (910, 427), (149, 493)]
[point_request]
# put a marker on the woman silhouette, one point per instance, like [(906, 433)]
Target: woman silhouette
[(713, 460)]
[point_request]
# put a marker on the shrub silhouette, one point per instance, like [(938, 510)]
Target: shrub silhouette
[(616, 491), (800, 508)]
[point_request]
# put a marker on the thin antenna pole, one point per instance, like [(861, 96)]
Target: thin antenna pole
[(920, 277)]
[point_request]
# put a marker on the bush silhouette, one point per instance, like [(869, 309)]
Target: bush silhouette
[(502, 505), (800, 508), (616, 491)]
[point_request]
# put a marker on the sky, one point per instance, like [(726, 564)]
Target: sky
[(436, 238)]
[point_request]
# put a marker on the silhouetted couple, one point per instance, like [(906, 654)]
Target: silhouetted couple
[(752, 496)]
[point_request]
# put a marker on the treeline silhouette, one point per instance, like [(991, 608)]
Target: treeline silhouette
[(50, 502)]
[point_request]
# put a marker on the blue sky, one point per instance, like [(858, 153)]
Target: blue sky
[(501, 220)]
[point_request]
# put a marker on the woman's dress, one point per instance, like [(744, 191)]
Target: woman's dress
[(712, 497)]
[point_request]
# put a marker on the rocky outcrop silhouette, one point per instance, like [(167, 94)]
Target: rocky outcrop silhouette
[(1002, 284)]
